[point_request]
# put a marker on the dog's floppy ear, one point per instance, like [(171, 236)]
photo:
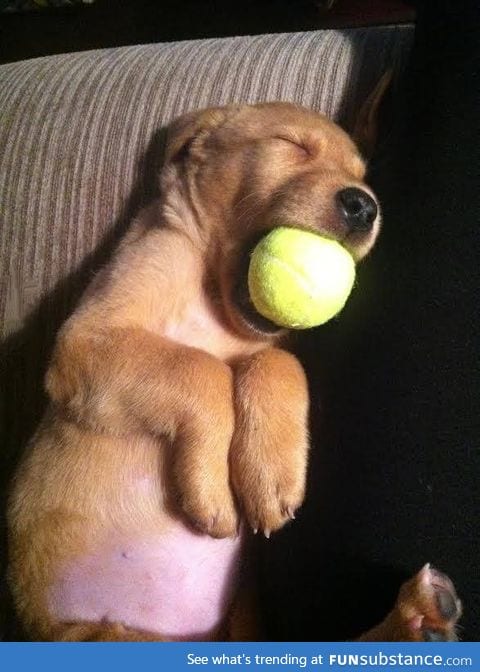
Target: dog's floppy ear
[(185, 129), (365, 130)]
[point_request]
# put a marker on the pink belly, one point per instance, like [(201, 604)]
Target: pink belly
[(178, 584)]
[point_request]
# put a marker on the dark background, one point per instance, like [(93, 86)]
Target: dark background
[(112, 23)]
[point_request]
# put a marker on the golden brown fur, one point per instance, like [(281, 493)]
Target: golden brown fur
[(159, 372)]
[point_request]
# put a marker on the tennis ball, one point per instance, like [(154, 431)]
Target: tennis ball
[(298, 279)]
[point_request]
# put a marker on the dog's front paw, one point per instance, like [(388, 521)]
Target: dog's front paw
[(269, 451), (270, 490), (428, 607)]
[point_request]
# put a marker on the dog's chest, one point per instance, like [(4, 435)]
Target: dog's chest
[(198, 326)]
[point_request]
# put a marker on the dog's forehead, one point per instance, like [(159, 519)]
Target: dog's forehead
[(267, 119)]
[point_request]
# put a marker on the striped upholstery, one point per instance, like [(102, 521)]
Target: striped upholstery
[(80, 147)]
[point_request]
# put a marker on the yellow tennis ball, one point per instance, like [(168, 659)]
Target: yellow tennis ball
[(298, 279)]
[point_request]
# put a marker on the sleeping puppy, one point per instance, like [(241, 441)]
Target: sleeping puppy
[(176, 423)]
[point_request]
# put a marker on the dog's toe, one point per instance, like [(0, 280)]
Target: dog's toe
[(448, 604), (217, 519), (269, 508)]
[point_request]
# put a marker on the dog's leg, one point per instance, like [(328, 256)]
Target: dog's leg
[(243, 622), (270, 444), (427, 610), (129, 380)]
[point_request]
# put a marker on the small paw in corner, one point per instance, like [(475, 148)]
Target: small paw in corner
[(428, 607)]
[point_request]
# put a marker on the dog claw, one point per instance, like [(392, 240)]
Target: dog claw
[(424, 574), (290, 513), (255, 530), (267, 533)]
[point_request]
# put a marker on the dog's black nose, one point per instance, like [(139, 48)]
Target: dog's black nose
[(358, 208)]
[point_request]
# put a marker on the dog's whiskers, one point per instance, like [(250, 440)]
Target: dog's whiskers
[(249, 209), (252, 210)]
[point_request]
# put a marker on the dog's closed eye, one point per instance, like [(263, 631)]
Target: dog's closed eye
[(295, 143)]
